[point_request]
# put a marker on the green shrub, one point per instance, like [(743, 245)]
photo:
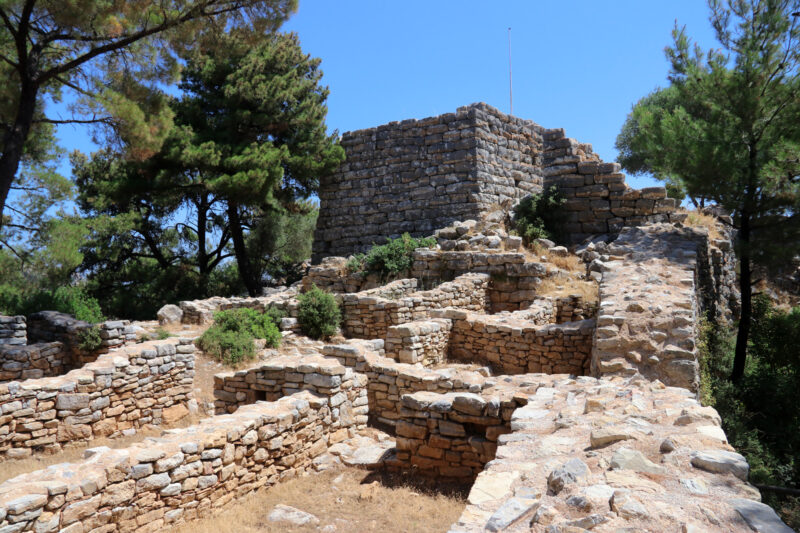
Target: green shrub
[(162, 334), (230, 347), (89, 339), (540, 216), (230, 338), (389, 259), (70, 300), (318, 314), (759, 413)]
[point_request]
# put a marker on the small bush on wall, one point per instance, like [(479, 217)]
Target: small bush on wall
[(318, 314), (230, 339), (392, 258), (540, 216)]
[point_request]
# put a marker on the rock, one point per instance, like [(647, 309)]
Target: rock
[(366, 456), (491, 486), (512, 510), (667, 446), (169, 314), (545, 515), (759, 517), (588, 522), (290, 515), (695, 485), (627, 459), (368, 492), (579, 502), (721, 462), (559, 251), (545, 243), (568, 473), (170, 415), (626, 506), (603, 437)]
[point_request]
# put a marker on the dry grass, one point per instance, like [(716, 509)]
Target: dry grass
[(352, 500), (696, 219), (570, 262), (563, 286), (74, 452)]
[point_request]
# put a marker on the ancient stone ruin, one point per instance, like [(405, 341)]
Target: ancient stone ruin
[(562, 411)]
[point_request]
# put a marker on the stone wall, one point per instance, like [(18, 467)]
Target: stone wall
[(369, 314), (345, 391), (13, 330), (513, 277), (420, 341), (613, 455), (649, 307), (450, 437), (33, 361), (597, 199), (52, 326), (515, 344), (202, 311), (388, 380), (119, 391), (183, 475), (419, 175)]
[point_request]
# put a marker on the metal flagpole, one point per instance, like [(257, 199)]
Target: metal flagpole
[(510, 83)]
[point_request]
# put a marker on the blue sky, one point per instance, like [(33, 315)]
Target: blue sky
[(579, 65)]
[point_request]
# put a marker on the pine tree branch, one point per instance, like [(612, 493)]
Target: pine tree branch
[(195, 12), (102, 120)]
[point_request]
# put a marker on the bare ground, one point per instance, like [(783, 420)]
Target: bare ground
[(351, 500)]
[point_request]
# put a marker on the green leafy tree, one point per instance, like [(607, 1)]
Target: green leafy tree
[(230, 181), (111, 56), (728, 130), (253, 128)]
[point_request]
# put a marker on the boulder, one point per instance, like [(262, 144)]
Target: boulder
[(169, 314)]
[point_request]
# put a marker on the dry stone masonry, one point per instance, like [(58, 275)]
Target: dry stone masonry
[(417, 176), (119, 391), (13, 330), (565, 414), (185, 474)]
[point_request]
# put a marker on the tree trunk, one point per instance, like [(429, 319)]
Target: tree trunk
[(202, 254), (14, 141), (242, 259), (745, 278)]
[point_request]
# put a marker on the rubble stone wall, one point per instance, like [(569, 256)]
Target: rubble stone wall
[(183, 475), (33, 361), (454, 439), (513, 278), (420, 341), (202, 311), (121, 390), (597, 199), (368, 315), (13, 330), (649, 307), (388, 380), (513, 344), (52, 326), (419, 175), (343, 389)]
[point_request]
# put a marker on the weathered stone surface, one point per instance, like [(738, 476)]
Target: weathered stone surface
[(169, 314), (759, 517), (290, 515), (721, 461)]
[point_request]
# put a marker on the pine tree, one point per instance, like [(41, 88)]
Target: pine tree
[(728, 129)]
